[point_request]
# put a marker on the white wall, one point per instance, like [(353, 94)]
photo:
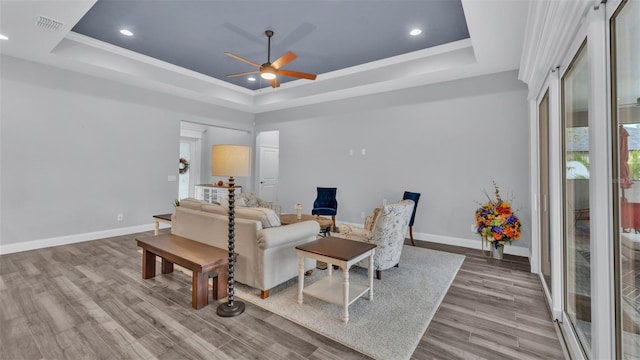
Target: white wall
[(77, 150), (446, 141)]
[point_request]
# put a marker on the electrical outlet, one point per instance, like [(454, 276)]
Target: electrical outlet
[(474, 228), (362, 215), (120, 217)]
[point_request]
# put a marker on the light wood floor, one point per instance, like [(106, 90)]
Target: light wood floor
[(88, 301)]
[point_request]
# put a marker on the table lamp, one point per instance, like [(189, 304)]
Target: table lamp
[(231, 160)]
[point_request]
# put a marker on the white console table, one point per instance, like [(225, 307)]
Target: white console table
[(211, 193)]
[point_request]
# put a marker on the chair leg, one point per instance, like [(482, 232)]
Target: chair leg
[(333, 218), (264, 294), (378, 274), (411, 235)]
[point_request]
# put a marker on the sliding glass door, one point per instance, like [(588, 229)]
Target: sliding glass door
[(625, 66), (545, 235), (577, 242)]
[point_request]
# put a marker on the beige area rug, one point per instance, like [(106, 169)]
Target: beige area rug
[(391, 326), (388, 328)]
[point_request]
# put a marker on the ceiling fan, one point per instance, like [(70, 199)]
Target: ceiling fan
[(271, 70)]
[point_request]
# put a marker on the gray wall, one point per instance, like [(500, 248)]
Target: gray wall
[(446, 141), (76, 150)]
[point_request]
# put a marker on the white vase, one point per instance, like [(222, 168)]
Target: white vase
[(496, 253)]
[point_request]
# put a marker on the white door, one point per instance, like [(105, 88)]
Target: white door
[(268, 173)]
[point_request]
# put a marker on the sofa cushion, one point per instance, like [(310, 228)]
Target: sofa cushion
[(191, 203), (266, 216), (215, 209)]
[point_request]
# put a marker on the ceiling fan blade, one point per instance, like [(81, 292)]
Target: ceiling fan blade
[(243, 73), (297, 74), (241, 59), (275, 83), (284, 60)]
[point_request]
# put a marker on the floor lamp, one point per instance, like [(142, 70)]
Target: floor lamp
[(231, 160)]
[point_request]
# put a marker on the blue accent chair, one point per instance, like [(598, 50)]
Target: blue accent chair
[(415, 197), (326, 204)]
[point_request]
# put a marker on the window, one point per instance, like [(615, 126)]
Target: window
[(577, 242), (625, 46)]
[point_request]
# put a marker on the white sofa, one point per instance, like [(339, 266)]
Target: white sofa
[(266, 250)]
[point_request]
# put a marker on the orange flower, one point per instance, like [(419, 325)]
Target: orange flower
[(504, 209), (497, 236), (510, 232)]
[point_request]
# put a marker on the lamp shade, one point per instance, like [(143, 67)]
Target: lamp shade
[(230, 160)]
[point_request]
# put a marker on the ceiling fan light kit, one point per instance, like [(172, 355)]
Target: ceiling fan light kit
[(271, 70), (267, 72)]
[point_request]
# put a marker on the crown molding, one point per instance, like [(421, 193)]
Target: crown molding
[(551, 28)]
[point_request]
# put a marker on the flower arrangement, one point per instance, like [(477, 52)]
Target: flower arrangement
[(496, 222)]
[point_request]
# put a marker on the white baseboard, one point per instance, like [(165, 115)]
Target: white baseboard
[(70, 239), (76, 238), (468, 243), (471, 243)]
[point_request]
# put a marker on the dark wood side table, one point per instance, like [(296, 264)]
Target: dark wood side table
[(344, 253), (162, 218), (325, 223)]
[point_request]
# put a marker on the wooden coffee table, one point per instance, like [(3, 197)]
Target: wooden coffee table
[(344, 253), (325, 223), (203, 260)]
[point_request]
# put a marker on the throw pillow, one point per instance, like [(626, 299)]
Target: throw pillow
[(371, 219), (266, 216), (250, 199), (237, 202)]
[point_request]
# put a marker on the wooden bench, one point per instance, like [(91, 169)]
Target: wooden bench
[(203, 260)]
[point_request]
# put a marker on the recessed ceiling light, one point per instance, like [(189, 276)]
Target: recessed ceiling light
[(3, 37), (251, 78), (126, 32), (415, 32)]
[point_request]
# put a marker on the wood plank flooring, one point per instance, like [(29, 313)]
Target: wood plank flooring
[(494, 309), (89, 301)]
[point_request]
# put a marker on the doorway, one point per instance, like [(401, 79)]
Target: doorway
[(268, 144), (191, 152)]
